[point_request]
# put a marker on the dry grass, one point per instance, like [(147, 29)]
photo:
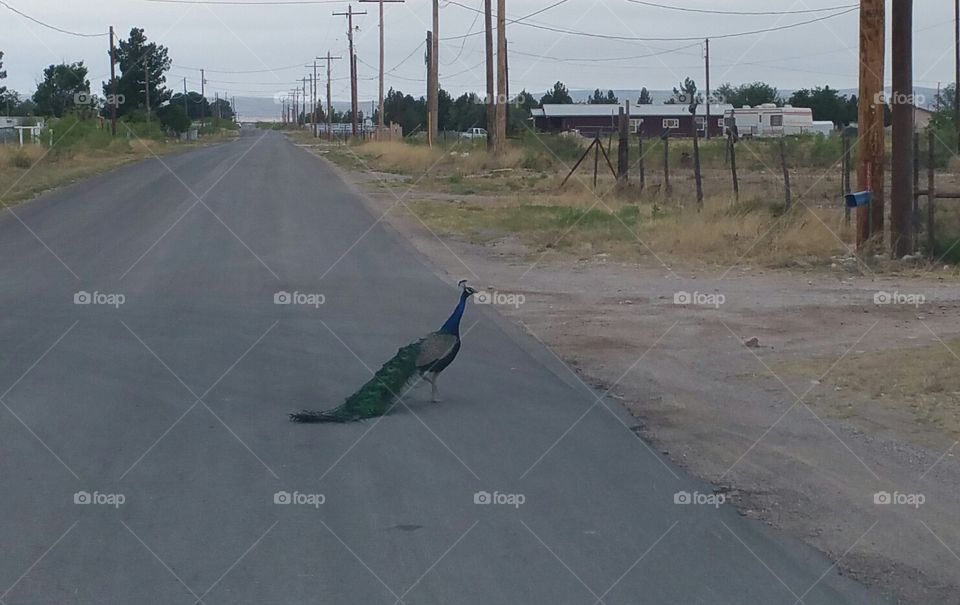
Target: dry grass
[(28, 171), (576, 222), (924, 380)]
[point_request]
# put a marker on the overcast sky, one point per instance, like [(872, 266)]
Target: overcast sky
[(277, 40)]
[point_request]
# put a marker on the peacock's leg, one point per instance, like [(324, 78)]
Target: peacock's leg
[(434, 394)]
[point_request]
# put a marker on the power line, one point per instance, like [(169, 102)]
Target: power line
[(533, 14), (251, 71), (662, 39), (250, 3), (744, 13), (53, 27)]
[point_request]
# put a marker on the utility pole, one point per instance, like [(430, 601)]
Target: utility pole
[(500, 141), (203, 95), (328, 59), (901, 190), (113, 85), (146, 71), (380, 106), (956, 80), (316, 131), (433, 80), (429, 128), (304, 100), (354, 109), (870, 119), (491, 91), (707, 100), (186, 108)]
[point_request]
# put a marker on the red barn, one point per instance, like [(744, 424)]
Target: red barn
[(650, 121)]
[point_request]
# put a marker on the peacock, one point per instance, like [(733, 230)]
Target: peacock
[(424, 358)]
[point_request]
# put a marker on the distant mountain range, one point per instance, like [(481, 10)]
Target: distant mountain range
[(265, 109)]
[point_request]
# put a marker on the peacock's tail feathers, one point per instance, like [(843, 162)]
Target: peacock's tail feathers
[(377, 396)]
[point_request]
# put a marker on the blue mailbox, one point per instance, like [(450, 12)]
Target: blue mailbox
[(860, 198)]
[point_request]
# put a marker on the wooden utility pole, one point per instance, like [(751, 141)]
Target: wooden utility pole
[(354, 106), (113, 85), (146, 84), (433, 79), (707, 100), (328, 59), (491, 91), (203, 95), (956, 79), (623, 148), (313, 100), (428, 126), (500, 139), (380, 105), (901, 190), (870, 119)]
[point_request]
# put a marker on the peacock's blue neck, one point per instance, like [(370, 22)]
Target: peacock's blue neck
[(452, 325)]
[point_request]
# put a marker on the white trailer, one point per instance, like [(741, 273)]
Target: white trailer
[(768, 120)]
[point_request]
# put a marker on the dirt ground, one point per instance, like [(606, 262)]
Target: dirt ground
[(744, 387)]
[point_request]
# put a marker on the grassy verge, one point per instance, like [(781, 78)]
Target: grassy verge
[(81, 149), (462, 190)]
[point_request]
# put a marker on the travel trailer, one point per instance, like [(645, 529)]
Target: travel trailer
[(768, 120)]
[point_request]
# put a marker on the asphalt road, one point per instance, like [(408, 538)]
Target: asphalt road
[(170, 411)]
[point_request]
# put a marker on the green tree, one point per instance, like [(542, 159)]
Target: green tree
[(174, 117), (467, 111), (525, 101), (744, 95), (686, 94), (645, 97), (136, 58), (195, 105), (558, 95), (403, 109), (599, 98), (63, 87), (827, 104), (3, 76)]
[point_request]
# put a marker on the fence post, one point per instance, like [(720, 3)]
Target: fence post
[(623, 149), (666, 164), (696, 166), (786, 173), (931, 196), (916, 192), (732, 154), (845, 175), (596, 161), (640, 152)]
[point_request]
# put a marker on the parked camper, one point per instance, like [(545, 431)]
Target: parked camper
[(768, 120)]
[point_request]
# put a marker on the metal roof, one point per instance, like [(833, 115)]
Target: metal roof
[(581, 110)]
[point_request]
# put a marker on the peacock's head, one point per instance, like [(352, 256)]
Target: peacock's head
[(466, 287)]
